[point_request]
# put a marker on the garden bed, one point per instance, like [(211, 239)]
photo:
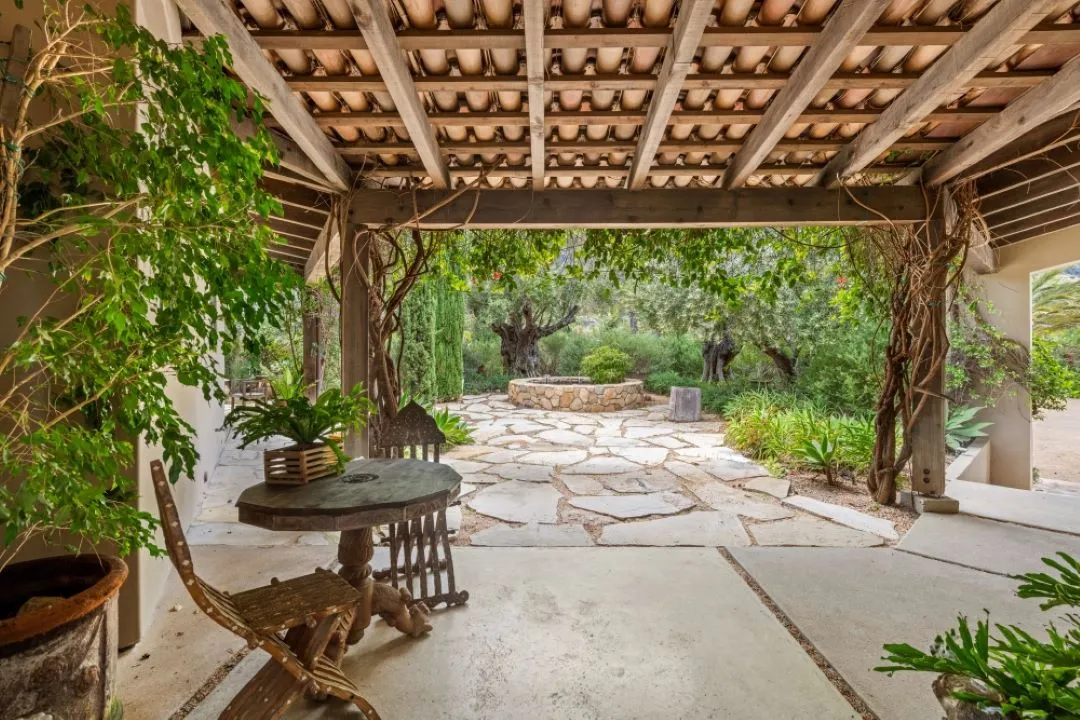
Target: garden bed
[(575, 394)]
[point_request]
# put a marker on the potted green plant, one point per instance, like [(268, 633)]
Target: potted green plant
[(313, 428), (1006, 672), (130, 252)]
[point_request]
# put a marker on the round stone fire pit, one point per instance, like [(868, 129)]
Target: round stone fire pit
[(575, 394)]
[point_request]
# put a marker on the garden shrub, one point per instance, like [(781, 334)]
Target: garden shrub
[(482, 351), (606, 365), (781, 427), (478, 384), (661, 382), (649, 353), (1052, 381)]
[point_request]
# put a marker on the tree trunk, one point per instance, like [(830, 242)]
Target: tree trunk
[(519, 339), (785, 364), (718, 355), (633, 322)]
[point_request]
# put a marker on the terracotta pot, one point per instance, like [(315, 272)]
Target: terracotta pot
[(59, 657)]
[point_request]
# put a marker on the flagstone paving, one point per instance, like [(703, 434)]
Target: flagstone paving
[(630, 477), (550, 478)]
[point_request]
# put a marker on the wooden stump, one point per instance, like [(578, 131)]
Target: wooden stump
[(685, 404)]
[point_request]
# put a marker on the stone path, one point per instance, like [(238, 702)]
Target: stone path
[(546, 478), (631, 477)]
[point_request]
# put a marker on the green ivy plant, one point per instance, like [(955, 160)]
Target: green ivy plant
[(129, 224), (1026, 677), (304, 422)]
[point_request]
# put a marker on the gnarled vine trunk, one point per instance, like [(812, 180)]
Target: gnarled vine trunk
[(519, 339), (784, 363)]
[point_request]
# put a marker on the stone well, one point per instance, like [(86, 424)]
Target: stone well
[(575, 394)]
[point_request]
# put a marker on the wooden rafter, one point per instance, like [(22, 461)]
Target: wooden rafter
[(693, 81), (327, 243), (633, 117), (1030, 110), (842, 33), (505, 39), (535, 21), (374, 23), (1002, 27), (213, 17), (597, 171), (650, 208), (678, 59)]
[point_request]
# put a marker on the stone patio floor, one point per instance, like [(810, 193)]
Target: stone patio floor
[(553, 478)]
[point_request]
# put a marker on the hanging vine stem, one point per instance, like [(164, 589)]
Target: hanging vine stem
[(921, 267), (398, 256)]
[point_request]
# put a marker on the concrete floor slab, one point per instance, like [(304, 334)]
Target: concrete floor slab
[(850, 602), (598, 634), (1040, 510), (988, 545)]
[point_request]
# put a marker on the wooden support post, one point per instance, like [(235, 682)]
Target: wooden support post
[(355, 309), (928, 432), (313, 344)]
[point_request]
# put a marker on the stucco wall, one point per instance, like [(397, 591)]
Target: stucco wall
[(1009, 293)]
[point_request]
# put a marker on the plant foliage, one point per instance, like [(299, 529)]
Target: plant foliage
[(961, 427), (304, 422), (606, 365), (137, 236), (1031, 678)]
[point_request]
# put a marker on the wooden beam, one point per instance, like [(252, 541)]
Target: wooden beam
[(678, 59), (1003, 204), (1061, 202), (633, 117), (842, 33), (1033, 108), (374, 23), (326, 253), (535, 22), (213, 17), (1061, 131), (688, 208), (285, 176), (290, 195), (591, 171), (1061, 223), (505, 39), (616, 82), (355, 310), (1022, 174), (365, 149), (1002, 27)]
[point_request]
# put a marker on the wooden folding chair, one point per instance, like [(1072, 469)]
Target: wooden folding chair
[(416, 546), (302, 623)]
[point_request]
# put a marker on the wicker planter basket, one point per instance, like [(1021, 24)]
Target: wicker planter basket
[(298, 465)]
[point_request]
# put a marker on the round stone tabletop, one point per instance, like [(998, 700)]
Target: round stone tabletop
[(368, 492)]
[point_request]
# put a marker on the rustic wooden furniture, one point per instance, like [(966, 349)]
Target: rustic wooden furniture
[(241, 392), (302, 623), (415, 434), (371, 492)]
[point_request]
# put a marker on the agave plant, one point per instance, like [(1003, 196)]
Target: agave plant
[(961, 427), (453, 427), (821, 455), (304, 422)]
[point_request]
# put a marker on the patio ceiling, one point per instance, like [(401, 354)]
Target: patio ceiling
[(654, 95)]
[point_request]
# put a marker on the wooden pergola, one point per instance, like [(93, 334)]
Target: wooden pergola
[(652, 113)]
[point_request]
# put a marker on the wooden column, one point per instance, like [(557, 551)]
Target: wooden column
[(355, 306), (313, 344), (928, 432)]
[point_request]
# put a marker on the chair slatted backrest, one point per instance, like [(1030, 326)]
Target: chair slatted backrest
[(413, 433), (210, 600)]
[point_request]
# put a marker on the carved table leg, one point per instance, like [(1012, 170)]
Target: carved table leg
[(355, 550)]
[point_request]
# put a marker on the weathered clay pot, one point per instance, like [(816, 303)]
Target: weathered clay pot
[(59, 658)]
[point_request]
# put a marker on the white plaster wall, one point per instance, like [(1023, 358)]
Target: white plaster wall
[(1009, 292)]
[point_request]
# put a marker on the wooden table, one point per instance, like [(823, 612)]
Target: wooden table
[(368, 493)]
